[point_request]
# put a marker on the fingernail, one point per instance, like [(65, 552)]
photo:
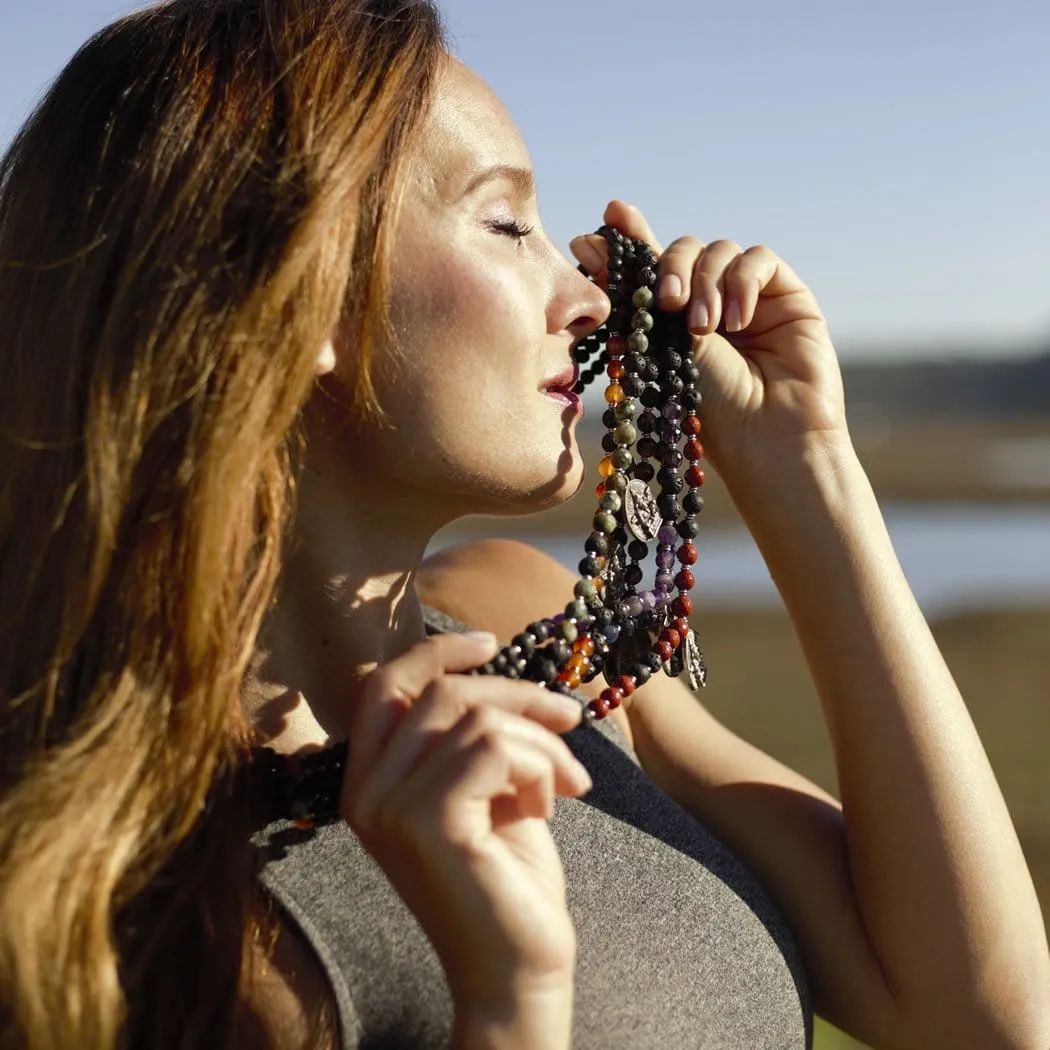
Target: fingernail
[(482, 638), (670, 286), (733, 321), (698, 316), (584, 778), (587, 254)]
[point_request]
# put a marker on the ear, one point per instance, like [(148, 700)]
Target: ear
[(325, 360)]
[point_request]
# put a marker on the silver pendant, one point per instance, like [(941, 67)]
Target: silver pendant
[(640, 512), (695, 667)]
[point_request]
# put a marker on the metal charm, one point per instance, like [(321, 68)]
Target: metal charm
[(695, 666), (640, 512), (612, 575)]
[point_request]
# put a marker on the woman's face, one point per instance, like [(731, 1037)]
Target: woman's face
[(485, 310)]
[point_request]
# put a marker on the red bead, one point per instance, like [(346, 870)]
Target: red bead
[(584, 645), (681, 625), (665, 649), (599, 708), (687, 554), (616, 345), (681, 606), (600, 489), (613, 698), (693, 450), (626, 684), (670, 635), (616, 370), (691, 426), (694, 477), (685, 580)]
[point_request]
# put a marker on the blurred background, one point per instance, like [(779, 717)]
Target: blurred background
[(898, 156)]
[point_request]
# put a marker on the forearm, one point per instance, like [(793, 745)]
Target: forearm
[(940, 880)]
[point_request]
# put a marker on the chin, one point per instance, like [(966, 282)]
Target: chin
[(530, 495)]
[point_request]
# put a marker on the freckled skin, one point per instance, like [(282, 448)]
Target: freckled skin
[(481, 318)]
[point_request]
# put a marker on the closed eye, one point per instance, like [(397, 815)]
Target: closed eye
[(510, 228)]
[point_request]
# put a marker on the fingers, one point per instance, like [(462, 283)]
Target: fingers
[(592, 252), (486, 755), (630, 221), (536, 766), (393, 688), (515, 708), (707, 306)]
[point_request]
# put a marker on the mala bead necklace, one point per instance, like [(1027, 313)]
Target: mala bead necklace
[(610, 627), (652, 432)]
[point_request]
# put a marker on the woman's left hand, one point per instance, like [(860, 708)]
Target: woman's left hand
[(770, 377)]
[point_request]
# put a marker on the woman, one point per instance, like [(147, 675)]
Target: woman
[(251, 247)]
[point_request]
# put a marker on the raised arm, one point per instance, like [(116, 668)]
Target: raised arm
[(911, 901)]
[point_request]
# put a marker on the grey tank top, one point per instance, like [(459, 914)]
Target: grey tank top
[(678, 945)]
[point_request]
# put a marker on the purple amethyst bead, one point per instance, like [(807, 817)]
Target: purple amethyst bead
[(665, 559), (672, 410), (670, 431), (668, 535), (648, 600), (664, 581)]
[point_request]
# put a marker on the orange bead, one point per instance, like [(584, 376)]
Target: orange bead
[(577, 662), (616, 370), (584, 645), (614, 393), (606, 468), (573, 679)]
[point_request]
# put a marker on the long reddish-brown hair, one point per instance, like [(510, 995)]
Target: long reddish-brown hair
[(202, 198)]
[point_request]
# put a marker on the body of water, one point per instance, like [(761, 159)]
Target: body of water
[(956, 556)]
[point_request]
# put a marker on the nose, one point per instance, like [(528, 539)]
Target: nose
[(586, 307)]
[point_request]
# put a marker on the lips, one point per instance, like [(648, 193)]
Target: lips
[(563, 382)]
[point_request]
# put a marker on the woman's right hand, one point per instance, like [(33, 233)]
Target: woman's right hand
[(450, 781)]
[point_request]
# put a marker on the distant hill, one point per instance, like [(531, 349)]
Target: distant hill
[(1011, 389)]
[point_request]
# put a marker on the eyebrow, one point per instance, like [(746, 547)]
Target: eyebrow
[(523, 179)]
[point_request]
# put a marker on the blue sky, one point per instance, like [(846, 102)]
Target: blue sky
[(897, 154)]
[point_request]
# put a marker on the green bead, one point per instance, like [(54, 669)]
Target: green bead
[(638, 342), (643, 320), (622, 458), (569, 631), (604, 521), (626, 409), (579, 609), (611, 501), (585, 589), (643, 298), (625, 434), (616, 483)]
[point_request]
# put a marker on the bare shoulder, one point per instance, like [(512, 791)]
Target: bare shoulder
[(500, 585)]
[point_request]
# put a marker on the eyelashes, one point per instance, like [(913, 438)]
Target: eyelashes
[(511, 228)]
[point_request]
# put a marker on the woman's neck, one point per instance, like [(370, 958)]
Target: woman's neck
[(347, 603)]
